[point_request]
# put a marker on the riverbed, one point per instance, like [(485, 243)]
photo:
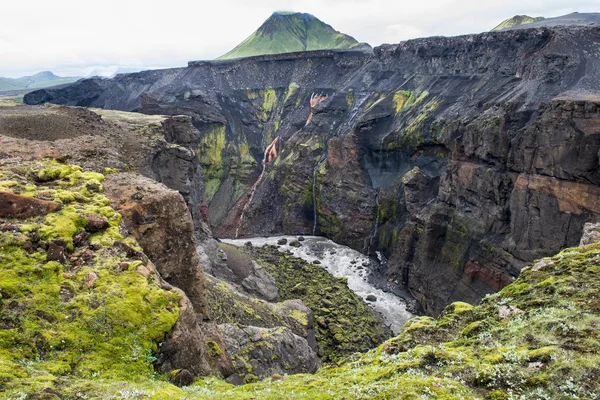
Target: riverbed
[(341, 260)]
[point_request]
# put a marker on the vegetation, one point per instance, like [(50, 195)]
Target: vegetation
[(291, 32), (87, 316), (517, 20), (344, 324), (538, 338)]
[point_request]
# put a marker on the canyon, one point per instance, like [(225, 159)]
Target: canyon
[(459, 159)]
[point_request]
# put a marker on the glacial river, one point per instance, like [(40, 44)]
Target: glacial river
[(340, 260)]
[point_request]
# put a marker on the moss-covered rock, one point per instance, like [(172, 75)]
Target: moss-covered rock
[(52, 324), (344, 324)]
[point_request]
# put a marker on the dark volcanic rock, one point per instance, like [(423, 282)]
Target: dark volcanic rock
[(460, 159), (95, 223)]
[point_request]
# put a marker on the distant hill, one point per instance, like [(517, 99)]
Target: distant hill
[(517, 20), (524, 21), (286, 32), (38, 81)]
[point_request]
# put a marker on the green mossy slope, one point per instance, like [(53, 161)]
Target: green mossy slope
[(89, 316), (290, 32), (344, 324), (517, 20)]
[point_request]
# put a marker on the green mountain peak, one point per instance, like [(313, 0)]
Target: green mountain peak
[(288, 31), (517, 20)]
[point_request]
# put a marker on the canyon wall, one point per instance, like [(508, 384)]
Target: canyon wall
[(460, 159)]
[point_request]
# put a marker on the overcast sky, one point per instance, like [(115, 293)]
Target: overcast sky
[(74, 37)]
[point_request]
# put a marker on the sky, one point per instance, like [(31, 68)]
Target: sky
[(78, 38)]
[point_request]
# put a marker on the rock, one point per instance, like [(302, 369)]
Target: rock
[(467, 201), (162, 225), (276, 377), (541, 265), (267, 351), (260, 283), (295, 243), (301, 238), (143, 271), (316, 262), (505, 312), (282, 241), (90, 280), (80, 239), (591, 233), (371, 298), (56, 251), (95, 223), (16, 206), (182, 378), (123, 266), (186, 347)]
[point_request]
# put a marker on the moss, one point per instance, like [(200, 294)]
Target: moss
[(472, 328), (213, 348), (291, 91), (402, 99), (349, 98), (100, 342), (299, 316), (543, 353), (344, 324), (110, 330)]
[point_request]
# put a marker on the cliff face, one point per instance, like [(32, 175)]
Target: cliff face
[(461, 159)]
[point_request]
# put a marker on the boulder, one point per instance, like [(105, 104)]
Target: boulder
[(266, 351), (17, 206)]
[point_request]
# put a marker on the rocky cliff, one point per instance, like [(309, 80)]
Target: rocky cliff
[(460, 159)]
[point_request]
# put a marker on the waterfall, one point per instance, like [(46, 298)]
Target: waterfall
[(375, 230), (314, 191)]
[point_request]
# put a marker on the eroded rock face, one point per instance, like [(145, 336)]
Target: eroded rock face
[(265, 352), (187, 346), (162, 224)]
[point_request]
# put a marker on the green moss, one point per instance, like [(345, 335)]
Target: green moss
[(349, 98), (402, 99), (543, 353), (109, 330), (213, 348), (101, 340), (291, 92), (299, 316), (344, 324)]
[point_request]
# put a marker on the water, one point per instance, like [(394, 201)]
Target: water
[(375, 230), (314, 192), (340, 260)]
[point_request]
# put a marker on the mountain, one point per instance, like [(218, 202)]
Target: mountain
[(526, 22), (38, 81), (287, 32), (517, 20)]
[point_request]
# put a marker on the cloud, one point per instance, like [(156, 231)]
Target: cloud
[(64, 35)]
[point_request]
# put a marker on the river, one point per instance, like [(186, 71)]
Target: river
[(341, 260)]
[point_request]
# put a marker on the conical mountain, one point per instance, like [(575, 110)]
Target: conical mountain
[(286, 32), (517, 20)]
